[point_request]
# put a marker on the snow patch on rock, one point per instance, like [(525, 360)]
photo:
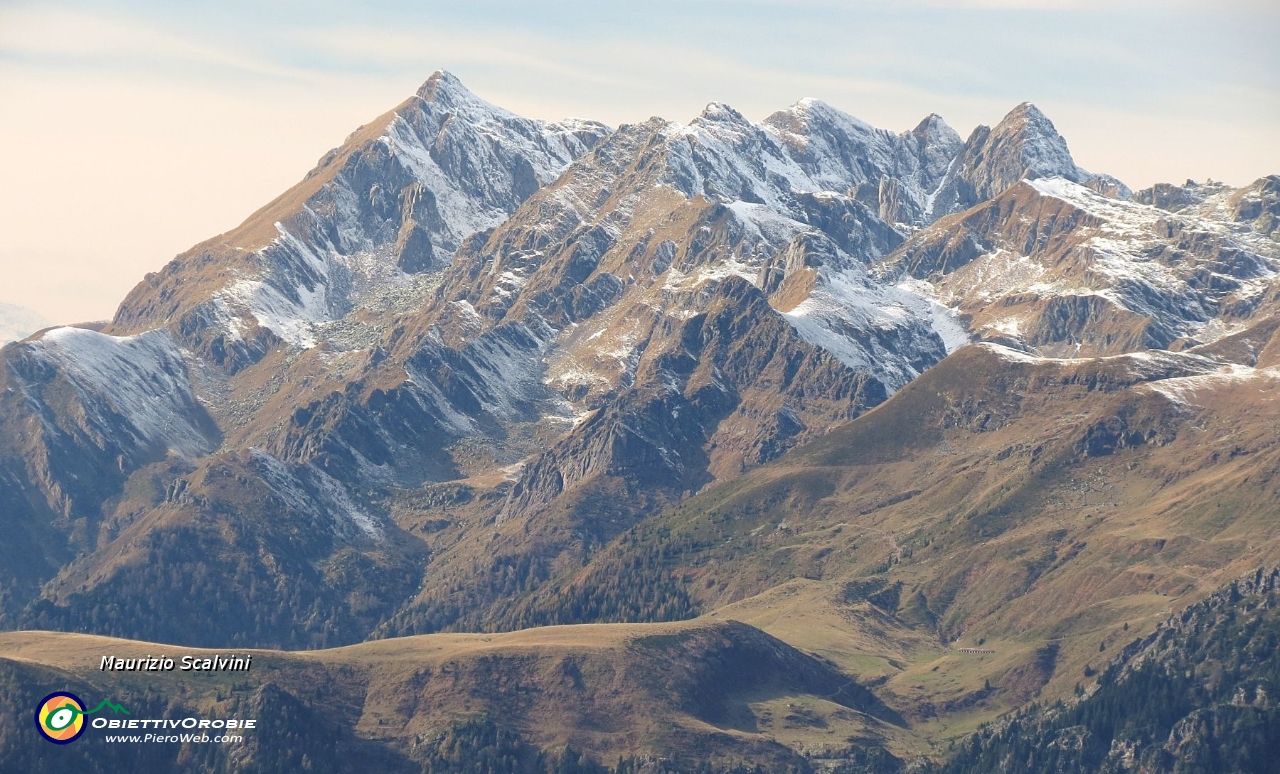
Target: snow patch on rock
[(315, 495), (888, 331), (1187, 390)]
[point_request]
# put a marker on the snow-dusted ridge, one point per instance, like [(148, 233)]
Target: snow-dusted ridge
[(1187, 390), (1149, 361), (1180, 271), (1200, 375), (811, 148), (137, 383)]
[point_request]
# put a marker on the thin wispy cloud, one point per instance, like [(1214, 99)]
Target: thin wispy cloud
[(63, 38), (425, 47)]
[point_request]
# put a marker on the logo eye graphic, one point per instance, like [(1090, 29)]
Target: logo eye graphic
[(60, 717)]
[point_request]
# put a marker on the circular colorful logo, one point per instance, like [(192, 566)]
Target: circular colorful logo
[(60, 717)]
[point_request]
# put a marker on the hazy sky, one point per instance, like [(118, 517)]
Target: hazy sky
[(135, 129)]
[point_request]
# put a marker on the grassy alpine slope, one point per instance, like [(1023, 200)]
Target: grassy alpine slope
[(1046, 511)]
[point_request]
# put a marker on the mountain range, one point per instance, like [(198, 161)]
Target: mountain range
[(849, 397), (18, 322)]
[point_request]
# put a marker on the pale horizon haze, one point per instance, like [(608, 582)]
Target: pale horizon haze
[(137, 129)]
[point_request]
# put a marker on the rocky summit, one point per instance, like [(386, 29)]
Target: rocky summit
[(880, 395)]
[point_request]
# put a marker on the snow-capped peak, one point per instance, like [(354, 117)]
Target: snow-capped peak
[(445, 88), (810, 113), (445, 93), (1043, 150), (933, 126), (399, 197), (719, 111)]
